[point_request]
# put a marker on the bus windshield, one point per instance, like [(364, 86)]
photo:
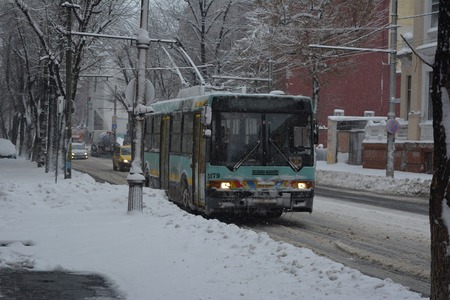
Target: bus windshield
[(262, 139)]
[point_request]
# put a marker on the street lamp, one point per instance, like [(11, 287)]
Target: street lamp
[(136, 177)]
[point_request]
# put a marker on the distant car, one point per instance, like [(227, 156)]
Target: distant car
[(79, 151), (7, 149), (94, 150), (122, 158)]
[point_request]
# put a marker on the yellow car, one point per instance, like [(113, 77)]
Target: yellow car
[(122, 158)]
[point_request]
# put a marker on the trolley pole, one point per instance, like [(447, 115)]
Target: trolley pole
[(136, 177), (392, 92)]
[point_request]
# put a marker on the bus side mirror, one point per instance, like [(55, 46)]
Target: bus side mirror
[(207, 115), (316, 134)]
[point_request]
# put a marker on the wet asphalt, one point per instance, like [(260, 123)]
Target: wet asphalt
[(23, 284)]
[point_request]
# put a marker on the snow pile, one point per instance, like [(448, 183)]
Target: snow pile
[(164, 253), (7, 148), (357, 178)]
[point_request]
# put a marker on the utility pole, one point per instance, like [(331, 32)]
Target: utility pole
[(392, 92), (136, 177), (68, 112), (114, 117)]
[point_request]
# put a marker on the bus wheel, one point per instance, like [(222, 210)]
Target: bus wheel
[(274, 213), (147, 179), (186, 201)]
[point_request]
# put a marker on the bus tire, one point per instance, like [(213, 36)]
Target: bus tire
[(186, 197), (147, 179), (273, 214)]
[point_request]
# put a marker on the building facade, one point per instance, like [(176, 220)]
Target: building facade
[(416, 47), (414, 140), (362, 85), (416, 76), (417, 57)]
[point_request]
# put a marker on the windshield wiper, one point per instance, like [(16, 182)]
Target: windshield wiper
[(291, 164), (247, 155)]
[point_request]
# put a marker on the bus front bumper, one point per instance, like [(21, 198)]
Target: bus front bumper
[(248, 201)]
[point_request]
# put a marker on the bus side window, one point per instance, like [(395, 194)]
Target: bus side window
[(148, 133), (176, 135), (188, 130), (156, 133)]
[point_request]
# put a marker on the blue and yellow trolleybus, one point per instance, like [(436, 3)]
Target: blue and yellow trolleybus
[(233, 153)]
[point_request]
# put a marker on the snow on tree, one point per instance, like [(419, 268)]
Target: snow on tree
[(208, 29), (39, 36), (280, 32)]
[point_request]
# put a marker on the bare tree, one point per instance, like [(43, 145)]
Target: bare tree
[(282, 30), (440, 186), (208, 29), (41, 38)]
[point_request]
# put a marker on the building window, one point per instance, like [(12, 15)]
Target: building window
[(434, 13), (408, 95)]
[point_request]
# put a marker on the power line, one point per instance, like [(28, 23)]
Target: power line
[(418, 16)]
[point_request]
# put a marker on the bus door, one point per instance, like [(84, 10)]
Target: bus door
[(198, 164), (164, 153)]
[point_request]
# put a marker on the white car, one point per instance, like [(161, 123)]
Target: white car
[(79, 151), (7, 149)]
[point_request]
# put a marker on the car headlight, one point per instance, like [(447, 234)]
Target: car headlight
[(125, 160)]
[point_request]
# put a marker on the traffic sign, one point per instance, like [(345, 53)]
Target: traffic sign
[(392, 126), (130, 92)]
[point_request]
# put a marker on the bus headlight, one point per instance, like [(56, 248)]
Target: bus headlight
[(125, 161), (302, 185), (225, 185), (220, 185)]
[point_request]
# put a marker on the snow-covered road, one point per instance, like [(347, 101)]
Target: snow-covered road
[(379, 242)]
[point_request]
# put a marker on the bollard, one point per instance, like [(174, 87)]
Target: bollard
[(135, 194)]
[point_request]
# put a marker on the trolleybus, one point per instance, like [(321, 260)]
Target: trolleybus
[(233, 153)]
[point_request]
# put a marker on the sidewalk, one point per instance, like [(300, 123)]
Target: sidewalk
[(356, 177)]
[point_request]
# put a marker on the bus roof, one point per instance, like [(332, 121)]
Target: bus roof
[(196, 103)]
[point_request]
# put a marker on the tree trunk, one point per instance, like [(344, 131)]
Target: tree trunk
[(440, 186), (53, 127)]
